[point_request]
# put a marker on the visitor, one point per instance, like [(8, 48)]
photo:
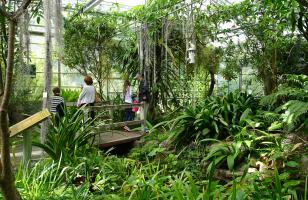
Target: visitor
[(87, 95), (57, 104), (135, 101), (127, 93), (143, 94)]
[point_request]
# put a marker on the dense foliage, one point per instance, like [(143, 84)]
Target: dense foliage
[(204, 143), (209, 154)]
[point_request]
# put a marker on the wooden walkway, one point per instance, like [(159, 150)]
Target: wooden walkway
[(108, 135), (112, 138)]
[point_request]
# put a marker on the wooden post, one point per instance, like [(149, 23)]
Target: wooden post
[(24, 45), (27, 151), (145, 107), (59, 73), (111, 116), (240, 82), (143, 116)]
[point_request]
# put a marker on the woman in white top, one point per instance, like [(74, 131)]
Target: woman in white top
[(87, 96), (127, 93)]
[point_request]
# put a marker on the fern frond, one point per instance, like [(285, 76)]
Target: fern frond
[(285, 93), (299, 81), (295, 112), (269, 117), (292, 87)]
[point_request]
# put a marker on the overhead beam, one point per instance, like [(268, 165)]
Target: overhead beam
[(91, 4)]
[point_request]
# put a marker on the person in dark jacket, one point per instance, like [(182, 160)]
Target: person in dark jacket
[(143, 90), (143, 94)]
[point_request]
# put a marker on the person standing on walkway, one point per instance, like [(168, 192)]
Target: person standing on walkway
[(127, 93), (57, 104), (87, 95), (143, 94)]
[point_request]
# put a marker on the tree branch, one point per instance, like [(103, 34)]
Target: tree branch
[(21, 9), (10, 64), (303, 3), (301, 27), (4, 13)]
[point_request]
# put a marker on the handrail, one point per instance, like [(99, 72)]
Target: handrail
[(108, 107), (111, 108), (117, 106), (22, 126), (117, 124), (29, 122)]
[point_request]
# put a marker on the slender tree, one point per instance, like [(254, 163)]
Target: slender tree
[(57, 18), (48, 65), (6, 177)]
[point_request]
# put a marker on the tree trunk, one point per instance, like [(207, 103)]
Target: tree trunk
[(1, 83), (156, 78), (48, 66), (4, 40), (7, 178), (270, 76), (268, 84), (211, 89), (302, 24), (7, 182), (3, 53), (100, 88), (303, 3), (228, 86), (58, 33), (59, 74)]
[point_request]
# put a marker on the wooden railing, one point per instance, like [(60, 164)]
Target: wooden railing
[(25, 124), (111, 108)]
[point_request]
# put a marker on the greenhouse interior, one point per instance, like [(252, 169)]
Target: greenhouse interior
[(154, 99)]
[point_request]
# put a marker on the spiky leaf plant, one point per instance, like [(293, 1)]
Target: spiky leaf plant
[(67, 137), (217, 117)]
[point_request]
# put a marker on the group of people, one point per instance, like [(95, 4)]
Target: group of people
[(88, 97), (130, 98)]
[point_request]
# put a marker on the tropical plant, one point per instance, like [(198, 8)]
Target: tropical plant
[(225, 151), (68, 136), (70, 95), (217, 117)]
